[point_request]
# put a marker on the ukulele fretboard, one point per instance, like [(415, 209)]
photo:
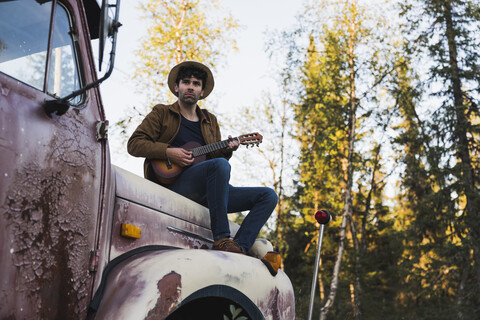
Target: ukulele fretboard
[(199, 151)]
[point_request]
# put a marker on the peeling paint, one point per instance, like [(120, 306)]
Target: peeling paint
[(70, 144), (278, 305), (48, 251), (169, 289), (5, 91), (48, 216)]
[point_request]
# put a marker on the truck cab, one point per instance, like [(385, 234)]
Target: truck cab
[(82, 238)]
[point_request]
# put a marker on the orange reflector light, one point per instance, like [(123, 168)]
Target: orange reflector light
[(274, 259), (131, 231)]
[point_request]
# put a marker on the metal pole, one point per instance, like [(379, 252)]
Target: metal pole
[(323, 217), (315, 272)]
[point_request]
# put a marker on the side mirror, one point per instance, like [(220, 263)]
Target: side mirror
[(108, 28)]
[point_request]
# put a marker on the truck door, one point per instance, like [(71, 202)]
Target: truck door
[(52, 167)]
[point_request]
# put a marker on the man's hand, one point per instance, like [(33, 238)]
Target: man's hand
[(180, 156), (232, 144)]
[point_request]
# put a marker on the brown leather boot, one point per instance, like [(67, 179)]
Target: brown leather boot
[(228, 245)]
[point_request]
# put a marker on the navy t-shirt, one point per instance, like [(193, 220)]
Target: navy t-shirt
[(189, 131)]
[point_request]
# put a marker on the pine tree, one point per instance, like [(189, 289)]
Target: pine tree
[(446, 37)]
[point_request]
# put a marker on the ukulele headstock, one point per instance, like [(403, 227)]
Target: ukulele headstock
[(251, 139)]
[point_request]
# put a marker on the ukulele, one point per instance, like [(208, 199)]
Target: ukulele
[(167, 172)]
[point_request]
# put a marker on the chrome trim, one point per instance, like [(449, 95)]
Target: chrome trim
[(188, 233)]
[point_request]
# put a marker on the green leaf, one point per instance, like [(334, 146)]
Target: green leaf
[(236, 313)]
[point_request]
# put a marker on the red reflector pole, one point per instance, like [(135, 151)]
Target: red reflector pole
[(323, 217)]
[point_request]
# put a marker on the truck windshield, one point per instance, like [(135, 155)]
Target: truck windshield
[(24, 45)]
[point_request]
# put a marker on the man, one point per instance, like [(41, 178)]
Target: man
[(167, 128)]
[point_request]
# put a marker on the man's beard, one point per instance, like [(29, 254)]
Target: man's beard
[(189, 98)]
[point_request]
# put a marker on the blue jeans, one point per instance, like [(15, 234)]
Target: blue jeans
[(207, 183)]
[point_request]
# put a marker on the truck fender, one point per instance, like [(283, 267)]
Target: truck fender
[(151, 284)]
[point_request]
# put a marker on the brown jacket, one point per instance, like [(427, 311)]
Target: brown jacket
[(160, 127)]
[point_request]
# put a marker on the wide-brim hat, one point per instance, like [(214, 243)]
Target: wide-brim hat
[(209, 84)]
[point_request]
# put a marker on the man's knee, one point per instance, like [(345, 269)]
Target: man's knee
[(220, 165), (270, 196)]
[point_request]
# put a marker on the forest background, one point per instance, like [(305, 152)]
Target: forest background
[(375, 119)]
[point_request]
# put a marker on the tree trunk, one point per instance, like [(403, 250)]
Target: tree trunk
[(278, 185), (357, 287), (336, 269), (347, 210), (466, 176)]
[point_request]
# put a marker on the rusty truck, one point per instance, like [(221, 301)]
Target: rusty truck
[(82, 238)]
